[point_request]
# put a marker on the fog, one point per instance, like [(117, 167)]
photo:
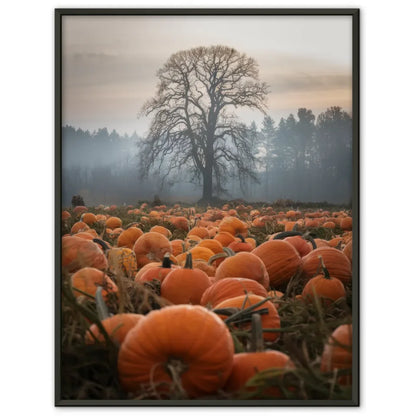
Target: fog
[(304, 157)]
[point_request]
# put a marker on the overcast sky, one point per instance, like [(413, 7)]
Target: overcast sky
[(110, 63)]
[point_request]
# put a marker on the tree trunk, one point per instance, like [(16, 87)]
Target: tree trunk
[(207, 185), (209, 164)]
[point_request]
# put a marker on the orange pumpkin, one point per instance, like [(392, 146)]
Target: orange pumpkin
[(116, 326), (79, 252), (335, 242), (302, 246), (225, 238), (231, 287), (79, 209), (244, 265), (323, 286), (251, 241), (157, 272), (205, 267), (185, 342), (214, 245), (146, 267), (289, 225), (321, 242), (178, 247), (329, 224), (233, 226), (180, 223), (89, 218), (115, 233), (290, 214), (78, 227), (113, 222), (281, 259), (337, 353), (346, 224), (65, 215), (201, 253), (201, 232), (336, 262), (85, 235), (185, 285), (88, 279), (247, 364), (151, 247), (128, 237), (192, 240), (348, 250), (241, 245), (269, 320), (162, 230)]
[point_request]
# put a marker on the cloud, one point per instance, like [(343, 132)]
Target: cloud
[(308, 82)]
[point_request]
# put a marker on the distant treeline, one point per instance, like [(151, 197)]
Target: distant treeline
[(303, 158), (307, 158)]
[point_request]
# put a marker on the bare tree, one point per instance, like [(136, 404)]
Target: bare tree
[(193, 125)]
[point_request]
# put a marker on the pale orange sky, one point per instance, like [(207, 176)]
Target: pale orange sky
[(110, 63)]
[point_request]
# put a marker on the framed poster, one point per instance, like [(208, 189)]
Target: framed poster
[(207, 207)]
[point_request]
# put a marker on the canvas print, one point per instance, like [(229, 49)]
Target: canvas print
[(207, 202)]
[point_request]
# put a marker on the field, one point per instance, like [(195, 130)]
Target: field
[(189, 302)]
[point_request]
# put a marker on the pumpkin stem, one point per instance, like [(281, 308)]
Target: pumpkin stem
[(308, 237), (285, 234), (324, 269), (257, 344), (216, 257), (176, 368), (241, 238), (227, 252), (102, 309), (102, 243), (132, 224), (166, 264), (188, 263)]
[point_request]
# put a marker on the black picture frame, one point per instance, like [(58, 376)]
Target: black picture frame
[(355, 14)]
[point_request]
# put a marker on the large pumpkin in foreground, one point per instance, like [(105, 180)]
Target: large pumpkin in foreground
[(182, 341)]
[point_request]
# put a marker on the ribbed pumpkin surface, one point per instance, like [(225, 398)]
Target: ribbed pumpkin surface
[(335, 261), (281, 259), (231, 287), (189, 338), (246, 265)]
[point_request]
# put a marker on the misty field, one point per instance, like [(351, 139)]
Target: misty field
[(234, 301)]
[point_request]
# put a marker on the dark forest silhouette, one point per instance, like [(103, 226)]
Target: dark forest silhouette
[(302, 157)]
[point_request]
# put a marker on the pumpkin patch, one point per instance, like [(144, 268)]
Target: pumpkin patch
[(179, 288)]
